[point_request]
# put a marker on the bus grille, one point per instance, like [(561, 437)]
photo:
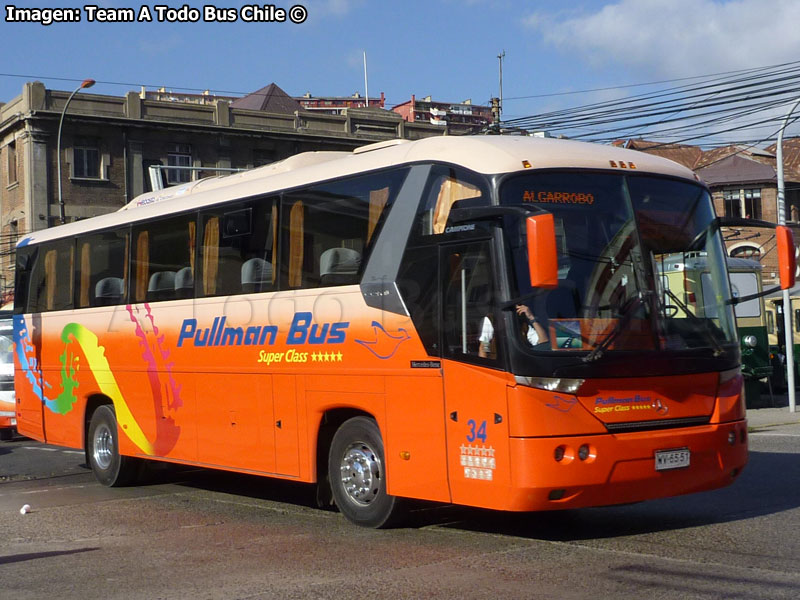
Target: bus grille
[(653, 425)]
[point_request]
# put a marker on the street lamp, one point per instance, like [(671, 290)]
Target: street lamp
[(86, 83), (787, 312)]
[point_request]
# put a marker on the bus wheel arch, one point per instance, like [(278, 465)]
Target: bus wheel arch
[(101, 446), (357, 474)]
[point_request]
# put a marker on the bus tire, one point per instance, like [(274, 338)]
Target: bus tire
[(357, 473), (109, 467)]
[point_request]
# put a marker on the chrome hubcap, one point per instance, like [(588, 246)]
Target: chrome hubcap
[(361, 473), (103, 447)]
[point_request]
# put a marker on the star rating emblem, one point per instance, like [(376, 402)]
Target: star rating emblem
[(326, 356)]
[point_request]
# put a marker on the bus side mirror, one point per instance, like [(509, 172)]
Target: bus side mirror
[(787, 264), (542, 256)]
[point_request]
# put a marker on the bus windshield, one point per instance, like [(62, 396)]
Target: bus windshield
[(618, 236)]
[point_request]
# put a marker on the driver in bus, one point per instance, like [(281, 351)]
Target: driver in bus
[(532, 329)]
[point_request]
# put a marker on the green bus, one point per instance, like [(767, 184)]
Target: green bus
[(689, 273), (777, 339)]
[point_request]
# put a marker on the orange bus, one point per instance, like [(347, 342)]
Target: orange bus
[(470, 320)]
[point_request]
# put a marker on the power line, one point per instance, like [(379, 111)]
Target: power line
[(633, 85), (707, 108)]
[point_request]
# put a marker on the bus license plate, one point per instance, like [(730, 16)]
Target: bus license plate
[(672, 459)]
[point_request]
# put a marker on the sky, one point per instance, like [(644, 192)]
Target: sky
[(447, 49)]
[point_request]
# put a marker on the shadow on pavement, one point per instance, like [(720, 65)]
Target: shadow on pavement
[(767, 486), (15, 558)]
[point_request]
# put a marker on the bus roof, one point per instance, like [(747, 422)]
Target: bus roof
[(485, 154)]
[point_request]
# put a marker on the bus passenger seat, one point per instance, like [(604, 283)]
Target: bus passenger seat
[(184, 283), (108, 291), (161, 286), (256, 275), (339, 266)]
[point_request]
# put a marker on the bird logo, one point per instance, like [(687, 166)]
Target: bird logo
[(385, 344), (562, 404)]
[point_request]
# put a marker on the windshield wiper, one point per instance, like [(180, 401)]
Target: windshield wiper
[(701, 323), (627, 310)]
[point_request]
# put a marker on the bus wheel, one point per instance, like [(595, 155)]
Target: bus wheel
[(357, 472), (109, 467)]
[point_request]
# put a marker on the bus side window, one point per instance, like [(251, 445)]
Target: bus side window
[(237, 249), (447, 187), (51, 279), (470, 329), (161, 251), (328, 230), (102, 272), (23, 272)]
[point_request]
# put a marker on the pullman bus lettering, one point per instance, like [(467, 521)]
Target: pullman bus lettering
[(301, 331), (220, 335)]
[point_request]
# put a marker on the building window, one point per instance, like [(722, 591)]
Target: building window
[(86, 160), (746, 251), (733, 206), (12, 163), (179, 155), (743, 203), (752, 203)]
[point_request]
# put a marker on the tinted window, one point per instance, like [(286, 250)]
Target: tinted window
[(448, 189), (48, 285), (102, 269), (163, 260), (237, 249), (328, 229)]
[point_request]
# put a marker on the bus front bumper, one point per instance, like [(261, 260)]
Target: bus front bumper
[(601, 470)]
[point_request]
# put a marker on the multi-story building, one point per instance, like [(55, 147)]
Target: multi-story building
[(108, 144), (458, 117)]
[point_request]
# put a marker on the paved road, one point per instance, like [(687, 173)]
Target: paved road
[(201, 534)]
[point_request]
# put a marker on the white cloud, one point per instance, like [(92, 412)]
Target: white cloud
[(677, 38)]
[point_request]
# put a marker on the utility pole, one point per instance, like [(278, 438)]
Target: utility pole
[(787, 303), (366, 85), (500, 57)]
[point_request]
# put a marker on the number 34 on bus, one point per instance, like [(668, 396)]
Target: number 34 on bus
[(410, 320)]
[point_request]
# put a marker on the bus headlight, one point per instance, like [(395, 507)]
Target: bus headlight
[(750, 341), (551, 384)]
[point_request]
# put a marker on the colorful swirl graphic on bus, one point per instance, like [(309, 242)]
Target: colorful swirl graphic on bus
[(166, 392), (79, 340)]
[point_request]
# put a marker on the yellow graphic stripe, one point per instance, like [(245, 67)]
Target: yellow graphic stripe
[(95, 355)]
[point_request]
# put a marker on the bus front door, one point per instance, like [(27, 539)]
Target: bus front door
[(474, 386)]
